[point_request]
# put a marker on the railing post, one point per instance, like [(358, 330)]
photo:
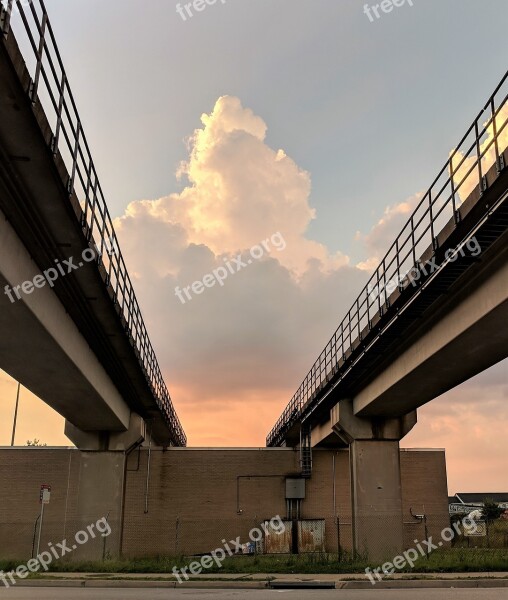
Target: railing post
[(88, 174), (56, 137), (397, 253), (456, 213), (367, 295), (358, 318), (70, 184), (482, 180), (413, 243), (34, 86), (499, 157), (385, 295), (378, 292), (94, 203), (431, 217)]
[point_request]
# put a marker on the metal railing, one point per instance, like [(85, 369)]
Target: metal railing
[(50, 87), (463, 172)]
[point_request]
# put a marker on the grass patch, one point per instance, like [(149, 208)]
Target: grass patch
[(463, 560), (458, 560)]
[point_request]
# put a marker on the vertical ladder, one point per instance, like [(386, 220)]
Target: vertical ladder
[(305, 451)]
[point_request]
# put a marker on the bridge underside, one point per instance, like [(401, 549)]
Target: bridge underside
[(462, 336), (69, 345), (43, 348)]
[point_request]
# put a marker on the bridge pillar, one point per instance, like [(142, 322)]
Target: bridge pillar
[(101, 465), (99, 503), (96, 441), (376, 494)]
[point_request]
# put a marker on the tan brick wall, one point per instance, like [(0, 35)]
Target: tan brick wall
[(196, 497), (425, 490), (84, 488), (319, 502)]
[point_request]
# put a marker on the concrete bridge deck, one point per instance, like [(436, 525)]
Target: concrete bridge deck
[(81, 346)]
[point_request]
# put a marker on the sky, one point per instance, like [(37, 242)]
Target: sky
[(303, 125)]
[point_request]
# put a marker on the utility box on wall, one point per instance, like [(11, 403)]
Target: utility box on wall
[(295, 489)]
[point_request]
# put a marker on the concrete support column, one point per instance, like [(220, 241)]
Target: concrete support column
[(376, 494), (99, 505), (376, 498), (109, 441), (100, 496)]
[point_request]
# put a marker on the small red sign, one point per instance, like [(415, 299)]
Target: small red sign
[(44, 493)]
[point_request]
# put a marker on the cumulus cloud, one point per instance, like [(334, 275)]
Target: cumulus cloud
[(377, 241), (239, 191), (247, 343)]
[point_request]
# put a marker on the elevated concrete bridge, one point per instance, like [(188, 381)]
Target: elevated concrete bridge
[(75, 337), (432, 315)]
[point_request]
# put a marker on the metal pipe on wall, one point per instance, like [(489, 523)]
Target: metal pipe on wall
[(148, 468)]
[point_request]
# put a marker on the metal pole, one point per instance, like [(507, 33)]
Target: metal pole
[(104, 541), (40, 528), (148, 468), (15, 417), (35, 533)]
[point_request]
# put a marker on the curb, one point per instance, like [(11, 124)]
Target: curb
[(402, 584), (130, 584), (278, 584)]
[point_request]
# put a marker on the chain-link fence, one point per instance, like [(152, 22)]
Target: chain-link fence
[(330, 534), (246, 543), (484, 534), (90, 537)]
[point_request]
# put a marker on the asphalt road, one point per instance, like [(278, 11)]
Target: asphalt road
[(31, 593)]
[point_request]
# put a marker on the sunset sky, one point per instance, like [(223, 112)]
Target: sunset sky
[(261, 116)]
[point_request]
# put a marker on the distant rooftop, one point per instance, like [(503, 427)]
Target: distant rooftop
[(477, 497)]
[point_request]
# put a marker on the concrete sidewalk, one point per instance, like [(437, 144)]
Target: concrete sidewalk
[(264, 580)]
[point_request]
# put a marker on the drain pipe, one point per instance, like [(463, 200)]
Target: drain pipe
[(148, 468), (423, 519), (104, 541), (35, 533), (339, 553)]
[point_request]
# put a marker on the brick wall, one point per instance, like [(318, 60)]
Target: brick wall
[(196, 497), (425, 490)]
